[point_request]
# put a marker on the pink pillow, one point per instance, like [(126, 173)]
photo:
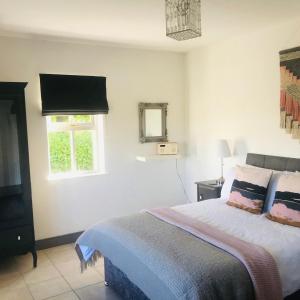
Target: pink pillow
[(249, 188), (286, 206)]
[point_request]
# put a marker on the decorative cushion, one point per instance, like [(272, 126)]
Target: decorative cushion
[(286, 206), (249, 188)]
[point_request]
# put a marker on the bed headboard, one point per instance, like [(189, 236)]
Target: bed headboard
[(273, 162)]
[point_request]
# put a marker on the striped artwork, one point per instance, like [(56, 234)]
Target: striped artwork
[(290, 91), (286, 206), (249, 188)]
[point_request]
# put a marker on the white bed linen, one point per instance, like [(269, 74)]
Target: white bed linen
[(281, 241)]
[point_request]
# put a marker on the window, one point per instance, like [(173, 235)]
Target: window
[(75, 145)]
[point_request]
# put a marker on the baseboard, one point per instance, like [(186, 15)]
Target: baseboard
[(57, 240)]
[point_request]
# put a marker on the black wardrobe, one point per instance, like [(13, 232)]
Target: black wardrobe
[(16, 221)]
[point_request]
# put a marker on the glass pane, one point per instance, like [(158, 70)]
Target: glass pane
[(153, 122), (9, 145), (83, 141), (60, 151), (82, 119), (59, 119)]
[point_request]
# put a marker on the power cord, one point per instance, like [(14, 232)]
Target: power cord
[(181, 182)]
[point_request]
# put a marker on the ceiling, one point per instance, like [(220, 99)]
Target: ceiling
[(137, 23)]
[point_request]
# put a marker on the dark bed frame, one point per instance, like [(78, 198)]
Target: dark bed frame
[(119, 282)]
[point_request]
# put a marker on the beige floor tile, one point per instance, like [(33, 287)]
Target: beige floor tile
[(43, 272), (15, 294), (12, 282), (58, 249), (49, 288), (73, 267), (8, 267), (62, 255), (24, 263), (96, 292), (80, 280), (68, 267), (58, 270), (65, 296), (99, 266)]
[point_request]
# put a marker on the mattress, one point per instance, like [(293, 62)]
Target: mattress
[(281, 241)]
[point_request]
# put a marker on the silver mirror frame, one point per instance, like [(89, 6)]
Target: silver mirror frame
[(142, 122)]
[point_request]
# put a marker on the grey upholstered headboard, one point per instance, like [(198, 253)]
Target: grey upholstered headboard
[(273, 162)]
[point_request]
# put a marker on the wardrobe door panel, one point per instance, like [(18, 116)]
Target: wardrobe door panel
[(9, 146)]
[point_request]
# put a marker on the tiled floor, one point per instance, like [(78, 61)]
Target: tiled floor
[(57, 277)]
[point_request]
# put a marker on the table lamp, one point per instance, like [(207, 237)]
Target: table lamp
[(223, 151)]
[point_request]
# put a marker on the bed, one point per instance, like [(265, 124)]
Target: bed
[(147, 257)]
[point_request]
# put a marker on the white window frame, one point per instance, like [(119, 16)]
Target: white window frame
[(98, 146)]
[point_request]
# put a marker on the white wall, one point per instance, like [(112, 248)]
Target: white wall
[(70, 205), (233, 93), (226, 90)]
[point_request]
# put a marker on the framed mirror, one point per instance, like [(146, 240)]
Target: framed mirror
[(153, 122)]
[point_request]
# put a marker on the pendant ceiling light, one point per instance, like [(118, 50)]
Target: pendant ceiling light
[(183, 19)]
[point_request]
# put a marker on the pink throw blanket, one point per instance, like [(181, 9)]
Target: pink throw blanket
[(259, 263)]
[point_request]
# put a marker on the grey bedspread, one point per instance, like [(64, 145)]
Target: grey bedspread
[(167, 262)]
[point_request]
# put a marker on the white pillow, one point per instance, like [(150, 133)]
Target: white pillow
[(229, 178), (273, 187)]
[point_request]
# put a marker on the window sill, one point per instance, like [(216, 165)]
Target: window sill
[(74, 175)]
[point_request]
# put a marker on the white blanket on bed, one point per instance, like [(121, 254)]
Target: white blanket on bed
[(282, 241)]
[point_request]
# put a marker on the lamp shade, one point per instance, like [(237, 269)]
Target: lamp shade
[(223, 149)]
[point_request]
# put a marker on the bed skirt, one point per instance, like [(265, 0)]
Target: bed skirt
[(120, 283)]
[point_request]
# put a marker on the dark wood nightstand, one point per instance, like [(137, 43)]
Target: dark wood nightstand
[(208, 190)]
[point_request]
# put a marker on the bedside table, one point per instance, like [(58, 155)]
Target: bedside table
[(208, 190)]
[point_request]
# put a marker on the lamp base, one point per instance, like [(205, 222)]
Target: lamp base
[(221, 180)]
